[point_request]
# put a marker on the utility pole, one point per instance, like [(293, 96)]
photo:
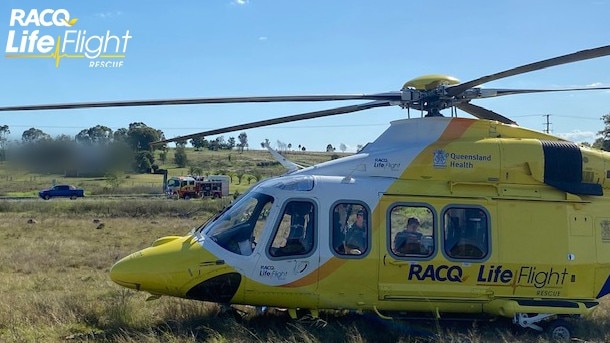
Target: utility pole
[(547, 124)]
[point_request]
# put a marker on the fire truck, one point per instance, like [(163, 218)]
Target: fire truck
[(186, 187)]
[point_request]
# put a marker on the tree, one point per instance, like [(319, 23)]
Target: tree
[(281, 146), (199, 142), (217, 144), (120, 135), (97, 135), (230, 174), (220, 141), (342, 147), (604, 142), (180, 157), (257, 175), (4, 132), (230, 143), (240, 175), (163, 154), (243, 141), (143, 161), (114, 179), (33, 135), (140, 136), (330, 148)]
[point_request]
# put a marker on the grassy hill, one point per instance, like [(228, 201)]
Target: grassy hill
[(249, 164)]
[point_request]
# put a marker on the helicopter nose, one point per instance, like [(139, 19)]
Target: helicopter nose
[(165, 268)]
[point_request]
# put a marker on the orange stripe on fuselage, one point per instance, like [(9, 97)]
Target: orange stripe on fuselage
[(323, 271), (456, 129)]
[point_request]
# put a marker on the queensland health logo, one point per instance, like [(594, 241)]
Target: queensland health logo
[(55, 34)]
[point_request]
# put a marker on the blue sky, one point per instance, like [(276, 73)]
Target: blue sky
[(261, 47)]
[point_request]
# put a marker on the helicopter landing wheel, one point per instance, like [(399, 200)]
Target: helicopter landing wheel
[(559, 330)]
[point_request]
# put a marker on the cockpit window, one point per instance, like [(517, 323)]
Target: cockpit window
[(239, 228)]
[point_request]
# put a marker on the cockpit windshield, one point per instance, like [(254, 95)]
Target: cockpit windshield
[(239, 227)]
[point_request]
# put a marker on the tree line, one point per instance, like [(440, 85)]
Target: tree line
[(99, 150)]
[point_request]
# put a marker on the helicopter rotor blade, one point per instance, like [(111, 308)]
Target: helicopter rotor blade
[(281, 120), (569, 58), (196, 101), (480, 93), (483, 113), (432, 100), (486, 93)]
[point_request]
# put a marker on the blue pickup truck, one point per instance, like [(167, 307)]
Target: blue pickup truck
[(64, 191)]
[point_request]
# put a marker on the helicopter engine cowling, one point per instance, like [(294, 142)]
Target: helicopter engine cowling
[(490, 153)]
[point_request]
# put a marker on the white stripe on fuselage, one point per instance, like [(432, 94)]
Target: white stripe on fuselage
[(360, 177), (388, 155)]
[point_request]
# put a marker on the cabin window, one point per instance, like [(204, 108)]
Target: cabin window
[(466, 233), (350, 229), (411, 231), (239, 228), (295, 232)]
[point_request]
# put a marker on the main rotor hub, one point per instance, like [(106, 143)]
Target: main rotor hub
[(432, 81)]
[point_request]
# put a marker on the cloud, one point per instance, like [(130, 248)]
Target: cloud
[(240, 2), (578, 136), (262, 38), (105, 15)]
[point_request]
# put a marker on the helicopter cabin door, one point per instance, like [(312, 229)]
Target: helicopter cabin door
[(429, 249), (286, 270)]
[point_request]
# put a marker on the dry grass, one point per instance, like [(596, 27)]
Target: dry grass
[(54, 287)]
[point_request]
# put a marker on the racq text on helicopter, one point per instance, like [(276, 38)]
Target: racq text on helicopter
[(512, 222)]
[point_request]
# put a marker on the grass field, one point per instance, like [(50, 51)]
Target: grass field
[(55, 287), (56, 256)]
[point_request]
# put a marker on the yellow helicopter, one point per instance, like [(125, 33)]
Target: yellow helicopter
[(439, 215)]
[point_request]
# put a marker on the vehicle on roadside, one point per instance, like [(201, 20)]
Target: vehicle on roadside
[(62, 191)]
